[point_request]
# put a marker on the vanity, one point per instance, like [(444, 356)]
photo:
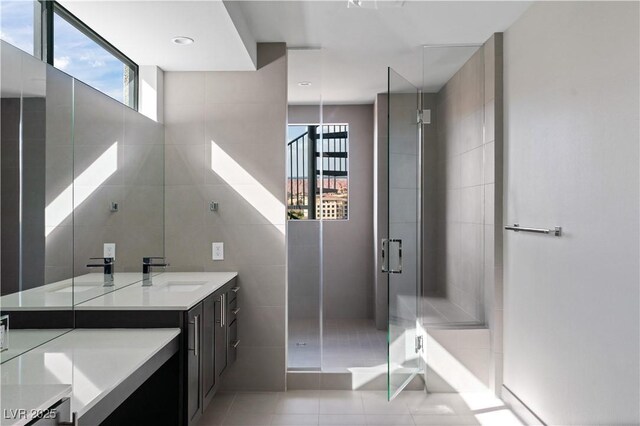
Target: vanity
[(170, 343), (203, 305)]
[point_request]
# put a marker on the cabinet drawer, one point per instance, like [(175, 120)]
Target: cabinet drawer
[(233, 292), (234, 342), (232, 310)]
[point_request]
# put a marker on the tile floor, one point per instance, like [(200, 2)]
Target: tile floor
[(299, 408), (346, 344), (349, 343)]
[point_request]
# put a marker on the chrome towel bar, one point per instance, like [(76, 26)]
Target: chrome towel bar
[(557, 231)]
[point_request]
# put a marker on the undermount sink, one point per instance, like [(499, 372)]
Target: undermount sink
[(181, 286), (76, 288)]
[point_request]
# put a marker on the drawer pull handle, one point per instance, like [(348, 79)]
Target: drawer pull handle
[(235, 289), (235, 344), (196, 335), (72, 422), (235, 311)]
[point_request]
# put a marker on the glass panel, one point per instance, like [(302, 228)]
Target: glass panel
[(304, 242), (402, 248), (17, 24), (454, 187), (83, 58), (36, 167)]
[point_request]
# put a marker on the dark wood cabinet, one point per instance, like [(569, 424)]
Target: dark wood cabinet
[(194, 356), (221, 334), (209, 344)]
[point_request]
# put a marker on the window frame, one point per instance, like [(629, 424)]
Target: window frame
[(44, 41)]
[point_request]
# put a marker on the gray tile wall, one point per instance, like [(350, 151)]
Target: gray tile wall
[(462, 233), (59, 172), (240, 118), (461, 190), (137, 185)]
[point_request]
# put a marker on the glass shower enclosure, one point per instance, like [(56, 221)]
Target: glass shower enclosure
[(401, 247)]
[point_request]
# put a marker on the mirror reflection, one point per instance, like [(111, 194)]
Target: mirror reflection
[(82, 198)]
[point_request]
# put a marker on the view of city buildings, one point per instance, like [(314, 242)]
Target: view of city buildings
[(331, 187)]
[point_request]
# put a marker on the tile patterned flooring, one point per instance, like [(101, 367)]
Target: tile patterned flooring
[(365, 408), (351, 343)]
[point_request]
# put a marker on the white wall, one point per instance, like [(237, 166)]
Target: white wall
[(572, 319)]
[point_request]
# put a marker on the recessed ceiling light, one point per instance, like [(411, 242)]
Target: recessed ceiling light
[(182, 40), (304, 83)]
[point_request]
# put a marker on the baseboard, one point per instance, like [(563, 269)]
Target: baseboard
[(520, 409), (353, 380)]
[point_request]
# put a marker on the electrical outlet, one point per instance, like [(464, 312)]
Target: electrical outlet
[(4, 333), (109, 250), (217, 251)]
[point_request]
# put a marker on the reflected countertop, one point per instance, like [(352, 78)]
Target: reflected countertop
[(61, 295), (177, 291), (19, 340), (93, 362)]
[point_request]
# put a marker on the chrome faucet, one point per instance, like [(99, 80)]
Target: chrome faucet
[(107, 266), (146, 269)]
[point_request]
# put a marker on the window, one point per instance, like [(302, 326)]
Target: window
[(84, 55), (47, 30), (17, 24), (318, 172)]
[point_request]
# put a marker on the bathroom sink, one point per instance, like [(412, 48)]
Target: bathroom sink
[(76, 288), (181, 286)]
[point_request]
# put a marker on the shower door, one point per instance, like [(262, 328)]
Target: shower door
[(401, 248)]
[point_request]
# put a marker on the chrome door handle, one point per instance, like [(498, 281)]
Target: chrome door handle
[(385, 266), (196, 334), (223, 309), (398, 268)]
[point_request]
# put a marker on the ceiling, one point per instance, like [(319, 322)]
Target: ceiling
[(343, 51), (143, 30), (357, 44)]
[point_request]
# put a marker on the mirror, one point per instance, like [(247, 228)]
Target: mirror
[(79, 170), (37, 160), (118, 192)]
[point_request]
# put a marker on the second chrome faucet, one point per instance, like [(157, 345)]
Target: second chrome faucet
[(147, 265)]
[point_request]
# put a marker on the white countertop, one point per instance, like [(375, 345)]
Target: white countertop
[(61, 295), (22, 340), (93, 362), (30, 398), (176, 291)]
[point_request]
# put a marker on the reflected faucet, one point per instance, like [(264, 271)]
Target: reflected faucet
[(108, 265), (146, 269)]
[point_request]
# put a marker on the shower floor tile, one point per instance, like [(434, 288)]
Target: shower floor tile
[(346, 344)]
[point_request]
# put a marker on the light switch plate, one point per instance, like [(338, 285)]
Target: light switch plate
[(217, 251), (109, 250)]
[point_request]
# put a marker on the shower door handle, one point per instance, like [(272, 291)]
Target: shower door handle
[(385, 262), (386, 255)]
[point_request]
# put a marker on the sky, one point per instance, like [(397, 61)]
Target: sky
[(74, 53)]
